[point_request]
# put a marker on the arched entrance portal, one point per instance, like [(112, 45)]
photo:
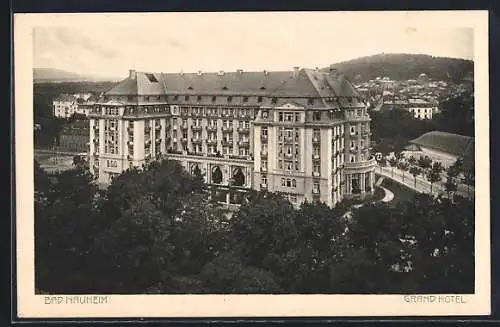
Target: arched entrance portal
[(216, 175)]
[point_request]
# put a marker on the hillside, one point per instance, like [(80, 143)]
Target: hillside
[(405, 66), (41, 75)]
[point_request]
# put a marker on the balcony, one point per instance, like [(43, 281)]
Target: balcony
[(244, 130), (212, 128), (157, 127), (227, 129), (227, 142), (263, 137), (316, 157), (360, 165), (158, 140), (212, 141), (130, 143), (184, 126), (263, 168), (315, 191), (196, 140), (196, 127), (244, 144), (174, 127), (288, 139), (129, 157), (316, 174), (288, 155), (96, 141), (130, 129), (263, 186), (263, 154), (95, 154), (147, 142), (184, 140), (316, 140)]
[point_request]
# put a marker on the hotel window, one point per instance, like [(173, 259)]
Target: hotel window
[(281, 149), (316, 134), (353, 145), (280, 137), (259, 99), (185, 135), (316, 151), (263, 131), (297, 116), (274, 100), (297, 165), (280, 164), (316, 187), (316, 168), (288, 165), (362, 157), (176, 97), (264, 114), (229, 99), (245, 99), (297, 135), (294, 183), (353, 158), (211, 149), (288, 116), (353, 130), (288, 182), (316, 115), (283, 182), (280, 116), (264, 179), (264, 163), (289, 133)]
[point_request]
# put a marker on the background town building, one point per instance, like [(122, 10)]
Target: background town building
[(304, 133)]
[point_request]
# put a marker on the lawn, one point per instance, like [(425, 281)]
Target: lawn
[(401, 192)]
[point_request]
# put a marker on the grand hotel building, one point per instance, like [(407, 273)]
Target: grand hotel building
[(304, 133)]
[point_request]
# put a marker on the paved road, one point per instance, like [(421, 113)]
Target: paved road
[(422, 184)]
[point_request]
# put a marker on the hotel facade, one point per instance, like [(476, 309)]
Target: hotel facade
[(304, 133)]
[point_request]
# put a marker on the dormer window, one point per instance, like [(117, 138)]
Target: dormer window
[(274, 100), (259, 99), (214, 98), (152, 78), (176, 97), (199, 98), (229, 99), (245, 99), (186, 98)]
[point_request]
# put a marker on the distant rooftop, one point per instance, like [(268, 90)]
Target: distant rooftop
[(455, 144)]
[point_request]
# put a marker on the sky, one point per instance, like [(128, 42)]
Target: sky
[(111, 44)]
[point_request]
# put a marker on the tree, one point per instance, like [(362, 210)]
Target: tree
[(425, 162), (415, 171), (469, 177), (264, 234), (412, 161), (403, 166), (393, 162), (434, 174)]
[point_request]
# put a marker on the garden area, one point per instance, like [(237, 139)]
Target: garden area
[(401, 192)]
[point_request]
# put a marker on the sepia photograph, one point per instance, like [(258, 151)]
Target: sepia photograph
[(231, 164)]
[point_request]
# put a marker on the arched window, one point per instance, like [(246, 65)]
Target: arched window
[(294, 183), (216, 175), (238, 177)]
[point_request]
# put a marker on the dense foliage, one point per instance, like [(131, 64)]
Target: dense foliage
[(406, 66), (155, 230)]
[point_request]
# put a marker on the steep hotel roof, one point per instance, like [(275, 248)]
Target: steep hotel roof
[(298, 83)]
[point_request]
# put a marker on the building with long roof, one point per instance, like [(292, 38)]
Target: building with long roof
[(304, 133)]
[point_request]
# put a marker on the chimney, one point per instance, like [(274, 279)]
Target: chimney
[(239, 71), (220, 73), (132, 74), (200, 73), (296, 71)]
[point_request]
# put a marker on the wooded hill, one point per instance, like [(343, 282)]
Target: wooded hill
[(405, 66)]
